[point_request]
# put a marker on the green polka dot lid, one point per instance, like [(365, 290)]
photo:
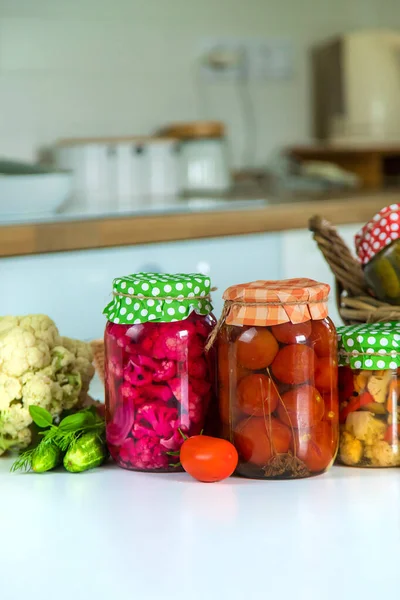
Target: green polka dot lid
[(373, 347), (144, 297)]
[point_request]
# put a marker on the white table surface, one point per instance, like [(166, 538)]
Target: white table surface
[(114, 534)]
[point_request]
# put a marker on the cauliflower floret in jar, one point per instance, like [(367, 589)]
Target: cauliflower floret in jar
[(382, 454), (350, 449), (365, 427)]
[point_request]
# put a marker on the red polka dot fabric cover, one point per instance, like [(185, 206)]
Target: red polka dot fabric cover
[(378, 233)]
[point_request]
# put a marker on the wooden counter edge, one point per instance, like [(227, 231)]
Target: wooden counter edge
[(37, 238)]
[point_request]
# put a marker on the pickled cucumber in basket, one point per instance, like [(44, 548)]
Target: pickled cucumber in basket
[(378, 248)]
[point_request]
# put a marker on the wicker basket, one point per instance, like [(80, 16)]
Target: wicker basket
[(354, 300)]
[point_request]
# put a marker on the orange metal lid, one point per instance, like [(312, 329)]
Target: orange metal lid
[(273, 302)]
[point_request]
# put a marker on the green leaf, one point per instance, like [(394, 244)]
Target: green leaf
[(41, 417), (76, 421)]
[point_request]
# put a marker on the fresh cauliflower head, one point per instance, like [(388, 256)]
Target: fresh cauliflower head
[(38, 367), (83, 362)]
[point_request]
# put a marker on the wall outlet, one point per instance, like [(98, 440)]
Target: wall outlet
[(270, 59), (249, 58)]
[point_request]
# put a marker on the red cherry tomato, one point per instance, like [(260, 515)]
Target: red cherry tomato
[(317, 446), (294, 364), (208, 459), (323, 338), (326, 373), (228, 411), (288, 333), (252, 438), (256, 348), (257, 395), (331, 403), (301, 407), (227, 370)]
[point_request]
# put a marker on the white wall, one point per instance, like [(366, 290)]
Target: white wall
[(91, 67)]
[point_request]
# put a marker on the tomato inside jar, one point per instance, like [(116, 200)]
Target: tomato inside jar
[(277, 378), (159, 379)]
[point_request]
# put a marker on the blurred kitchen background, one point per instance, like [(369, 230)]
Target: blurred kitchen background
[(183, 135)]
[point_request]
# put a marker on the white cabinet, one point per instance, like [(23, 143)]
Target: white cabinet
[(74, 287)]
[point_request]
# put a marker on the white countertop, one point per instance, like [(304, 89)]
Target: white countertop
[(87, 208), (111, 534)]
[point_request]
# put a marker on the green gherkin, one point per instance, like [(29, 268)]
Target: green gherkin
[(387, 276), (86, 453), (45, 458)]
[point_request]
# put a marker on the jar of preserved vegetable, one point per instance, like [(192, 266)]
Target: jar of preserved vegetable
[(158, 378), (378, 248), (277, 378), (369, 386)]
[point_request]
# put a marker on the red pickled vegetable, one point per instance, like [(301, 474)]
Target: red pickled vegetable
[(137, 375), (198, 368), (159, 418), (200, 386), (290, 333), (355, 403), (145, 454), (294, 364), (165, 370), (128, 392), (156, 392), (392, 434), (118, 430), (162, 372)]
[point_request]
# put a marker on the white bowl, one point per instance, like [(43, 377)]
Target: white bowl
[(37, 194)]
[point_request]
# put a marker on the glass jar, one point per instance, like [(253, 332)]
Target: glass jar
[(203, 156), (378, 248), (369, 398), (277, 378), (159, 380)]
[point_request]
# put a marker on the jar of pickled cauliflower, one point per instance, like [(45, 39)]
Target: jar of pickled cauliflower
[(369, 386), (277, 378), (158, 377), (378, 248)]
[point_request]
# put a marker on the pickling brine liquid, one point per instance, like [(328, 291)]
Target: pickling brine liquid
[(278, 401)]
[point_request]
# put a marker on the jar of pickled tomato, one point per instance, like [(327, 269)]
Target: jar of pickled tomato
[(369, 386), (158, 377), (277, 378)]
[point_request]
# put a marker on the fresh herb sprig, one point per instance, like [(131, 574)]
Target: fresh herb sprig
[(69, 430)]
